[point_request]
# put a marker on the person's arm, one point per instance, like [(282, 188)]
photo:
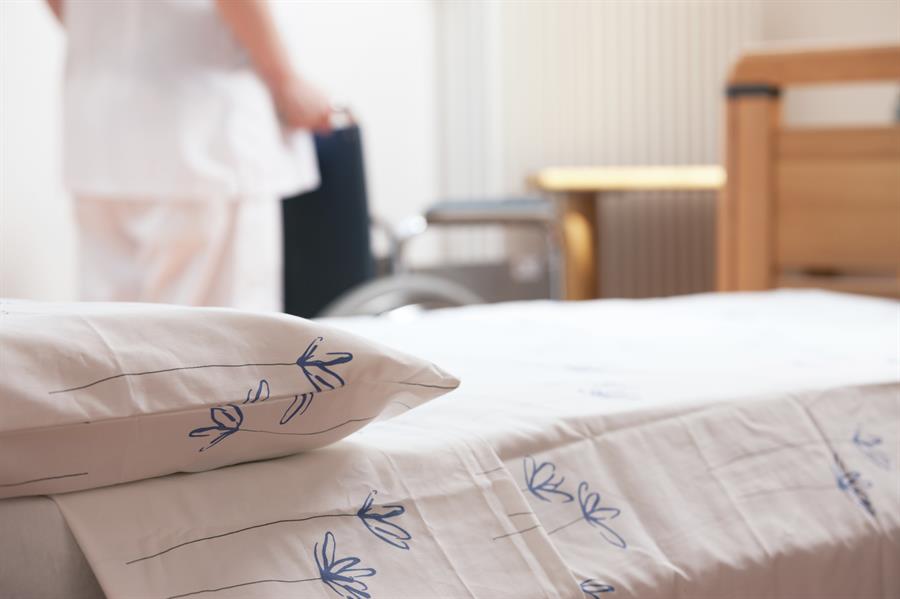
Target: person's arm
[(56, 9), (299, 104)]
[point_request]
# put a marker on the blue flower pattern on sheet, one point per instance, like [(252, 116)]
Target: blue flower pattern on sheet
[(377, 521), (316, 371), (540, 479), (341, 575), (852, 483), (848, 481), (263, 384), (596, 515), (298, 406), (593, 589), (226, 419), (870, 447), (234, 426), (319, 372), (375, 518)]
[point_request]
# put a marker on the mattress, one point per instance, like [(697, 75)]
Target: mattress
[(737, 445)]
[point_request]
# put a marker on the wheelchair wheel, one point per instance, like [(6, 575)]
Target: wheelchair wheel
[(382, 296)]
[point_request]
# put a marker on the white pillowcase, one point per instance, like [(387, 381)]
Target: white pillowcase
[(98, 394)]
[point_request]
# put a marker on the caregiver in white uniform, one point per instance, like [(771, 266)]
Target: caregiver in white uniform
[(184, 125)]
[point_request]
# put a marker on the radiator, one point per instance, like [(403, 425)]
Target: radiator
[(659, 243), (524, 85)]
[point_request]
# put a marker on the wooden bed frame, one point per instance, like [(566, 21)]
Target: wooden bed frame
[(806, 207)]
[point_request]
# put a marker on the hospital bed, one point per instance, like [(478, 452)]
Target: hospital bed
[(809, 207), (721, 445)]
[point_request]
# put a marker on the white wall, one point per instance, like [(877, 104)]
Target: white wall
[(378, 58), (870, 20), (37, 243), (375, 56)]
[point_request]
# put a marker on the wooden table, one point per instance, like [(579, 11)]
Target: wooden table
[(578, 189)]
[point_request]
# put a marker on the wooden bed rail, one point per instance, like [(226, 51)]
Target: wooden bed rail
[(810, 207), (804, 67)]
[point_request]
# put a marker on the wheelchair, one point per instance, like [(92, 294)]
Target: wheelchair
[(329, 268), (401, 290)]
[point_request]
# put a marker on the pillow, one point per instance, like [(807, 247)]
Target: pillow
[(95, 394)]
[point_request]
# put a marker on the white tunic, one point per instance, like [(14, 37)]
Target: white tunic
[(161, 102)]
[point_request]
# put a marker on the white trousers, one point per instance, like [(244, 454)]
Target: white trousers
[(199, 253)]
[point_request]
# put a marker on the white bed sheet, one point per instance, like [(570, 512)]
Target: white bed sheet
[(39, 557), (696, 438)]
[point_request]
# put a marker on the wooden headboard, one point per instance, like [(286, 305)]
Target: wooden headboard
[(808, 207)]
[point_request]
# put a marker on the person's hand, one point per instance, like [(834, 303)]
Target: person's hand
[(301, 105)]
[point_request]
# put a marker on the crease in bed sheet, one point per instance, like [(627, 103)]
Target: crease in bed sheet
[(426, 523), (633, 477), (738, 544), (507, 503), (668, 551), (726, 494), (442, 520)]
